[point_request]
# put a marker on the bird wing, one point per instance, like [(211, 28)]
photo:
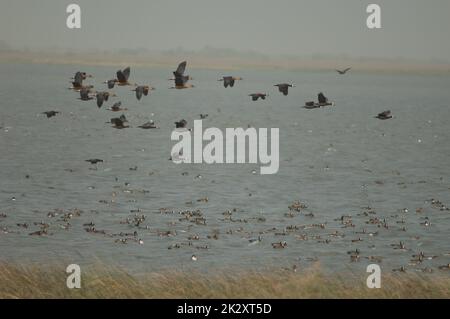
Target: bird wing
[(121, 76), (78, 79), (322, 98), (84, 94), (111, 84), (227, 81), (284, 89), (181, 69), (139, 91), (124, 75), (100, 99)]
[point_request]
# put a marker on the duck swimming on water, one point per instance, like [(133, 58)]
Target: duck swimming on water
[(149, 125), (279, 245)]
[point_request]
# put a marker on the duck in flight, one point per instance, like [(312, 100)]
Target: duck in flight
[(181, 80), (284, 87), (120, 122), (86, 94), (342, 72), (257, 96), (83, 75), (323, 101), (122, 77), (103, 97), (51, 113), (386, 115), (77, 81), (229, 81), (117, 107), (94, 161), (181, 69), (142, 90), (111, 84)]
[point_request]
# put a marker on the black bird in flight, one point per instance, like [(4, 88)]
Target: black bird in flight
[(386, 115), (342, 72), (94, 161), (142, 90), (257, 96), (51, 113), (229, 81), (284, 87), (181, 80), (120, 122)]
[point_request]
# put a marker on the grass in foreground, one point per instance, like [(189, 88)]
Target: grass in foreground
[(106, 282)]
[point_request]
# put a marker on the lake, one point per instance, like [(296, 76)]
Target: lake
[(389, 179)]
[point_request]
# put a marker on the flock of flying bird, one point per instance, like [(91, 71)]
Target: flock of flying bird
[(181, 81)]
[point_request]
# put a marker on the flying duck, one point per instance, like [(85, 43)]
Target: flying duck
[(284, 87), (181, 80), (142, 90), (51, 113), (256, 96), (120, 122), (229, 81), (342, 72), (85, 94), (386, 115)]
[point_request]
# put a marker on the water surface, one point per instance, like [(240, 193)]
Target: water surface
[(338, 161)]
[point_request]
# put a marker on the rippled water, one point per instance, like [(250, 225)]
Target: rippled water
[(338, 161)]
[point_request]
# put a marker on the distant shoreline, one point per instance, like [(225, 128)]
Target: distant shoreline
[(228, 62)]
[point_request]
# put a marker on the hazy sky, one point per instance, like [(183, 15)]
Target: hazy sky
[(411, 28)]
